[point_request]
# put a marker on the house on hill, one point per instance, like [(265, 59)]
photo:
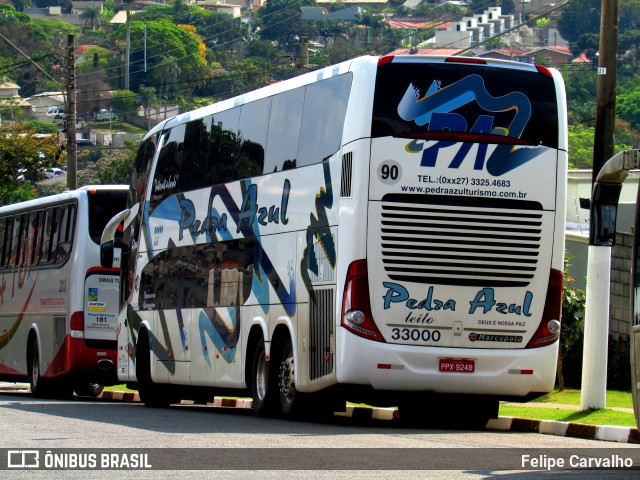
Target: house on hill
[(71, 16), (10, 99), (555, 56)]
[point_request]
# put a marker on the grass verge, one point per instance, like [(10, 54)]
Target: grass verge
[(590, 417)]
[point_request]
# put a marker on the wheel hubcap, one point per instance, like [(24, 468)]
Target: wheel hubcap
[(262, 378), (286, 378)]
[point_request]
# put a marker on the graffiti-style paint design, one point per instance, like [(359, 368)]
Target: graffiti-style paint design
[(435, 108), (248, 218), (224, 338), (319, 228)]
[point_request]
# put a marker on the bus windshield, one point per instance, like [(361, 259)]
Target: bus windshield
[(463, 102), (103, 205)]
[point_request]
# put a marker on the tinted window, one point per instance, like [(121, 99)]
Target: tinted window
[(325, 107), (284, 130), (3, 222), (103, 206), (170, 158), (224, 148), (254, 125), (65, 231), (140, 176), (417, 98), (193, 173), (209, 275), (35, 236)]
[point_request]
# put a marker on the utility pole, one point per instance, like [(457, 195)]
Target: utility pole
[(127, 6), (596, 323), (606, 95), (72, 159)]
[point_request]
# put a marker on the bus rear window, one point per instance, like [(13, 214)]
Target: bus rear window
[(103, 205), (461, 102)]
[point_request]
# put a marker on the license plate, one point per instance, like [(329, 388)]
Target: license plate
[(461, 365)]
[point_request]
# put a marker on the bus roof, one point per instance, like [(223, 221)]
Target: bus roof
[(61, 197)]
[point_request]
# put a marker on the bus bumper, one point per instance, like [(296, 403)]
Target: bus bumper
[(496, 372), (82, 363)]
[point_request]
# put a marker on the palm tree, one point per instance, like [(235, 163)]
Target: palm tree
[(167, 71), (92, 16), (371, 21)]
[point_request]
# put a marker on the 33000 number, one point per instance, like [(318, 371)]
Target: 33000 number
[(415, 334)]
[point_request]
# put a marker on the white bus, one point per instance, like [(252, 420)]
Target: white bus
[(387, 230), (58, 306)]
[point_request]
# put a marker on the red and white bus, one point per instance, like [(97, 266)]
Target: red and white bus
[(58, 306)]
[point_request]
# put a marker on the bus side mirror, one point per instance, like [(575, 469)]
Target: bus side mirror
[(108, 236), (604, 209), (106, 254)]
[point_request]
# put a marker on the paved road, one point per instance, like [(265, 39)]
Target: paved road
[(28, 423)]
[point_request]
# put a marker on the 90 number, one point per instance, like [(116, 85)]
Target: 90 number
[(389, 172)]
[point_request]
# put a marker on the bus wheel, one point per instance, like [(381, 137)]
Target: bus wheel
[(88, 389), (263, 385), (296, 405), (151, 394), (35, 381)]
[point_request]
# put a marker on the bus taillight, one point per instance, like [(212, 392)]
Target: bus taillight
[(356, 308), (382, 61), (77, 325), (544, 71), (549, 329)]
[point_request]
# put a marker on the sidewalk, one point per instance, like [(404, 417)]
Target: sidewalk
[(606, 433)]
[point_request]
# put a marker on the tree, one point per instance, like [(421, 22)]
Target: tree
[(371, 22), (92, 16), (627, 104), (581, 85), (124, 103), (166, 42), (20, 193), (281, 21), (23, 150), (581, 146), (573, 303), (579, 17), (38, 39)]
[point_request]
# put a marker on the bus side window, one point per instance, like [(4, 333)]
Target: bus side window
[(167, 174), (53, 238), (45, 246), (34, 237), (224, 146), (194, 166), (23, 249), (3, 222), (65, 234), (254, 123), (321, 134), (15, 241), (6, 259), (284, 124)]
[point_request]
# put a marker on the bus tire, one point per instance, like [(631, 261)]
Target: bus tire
[(36, 382), (263, 384), (296, 405), (151, 394), (88, 389)]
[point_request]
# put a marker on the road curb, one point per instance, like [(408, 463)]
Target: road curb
[(605, 433)]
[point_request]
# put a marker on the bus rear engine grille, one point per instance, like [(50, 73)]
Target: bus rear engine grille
[(460, 241)]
